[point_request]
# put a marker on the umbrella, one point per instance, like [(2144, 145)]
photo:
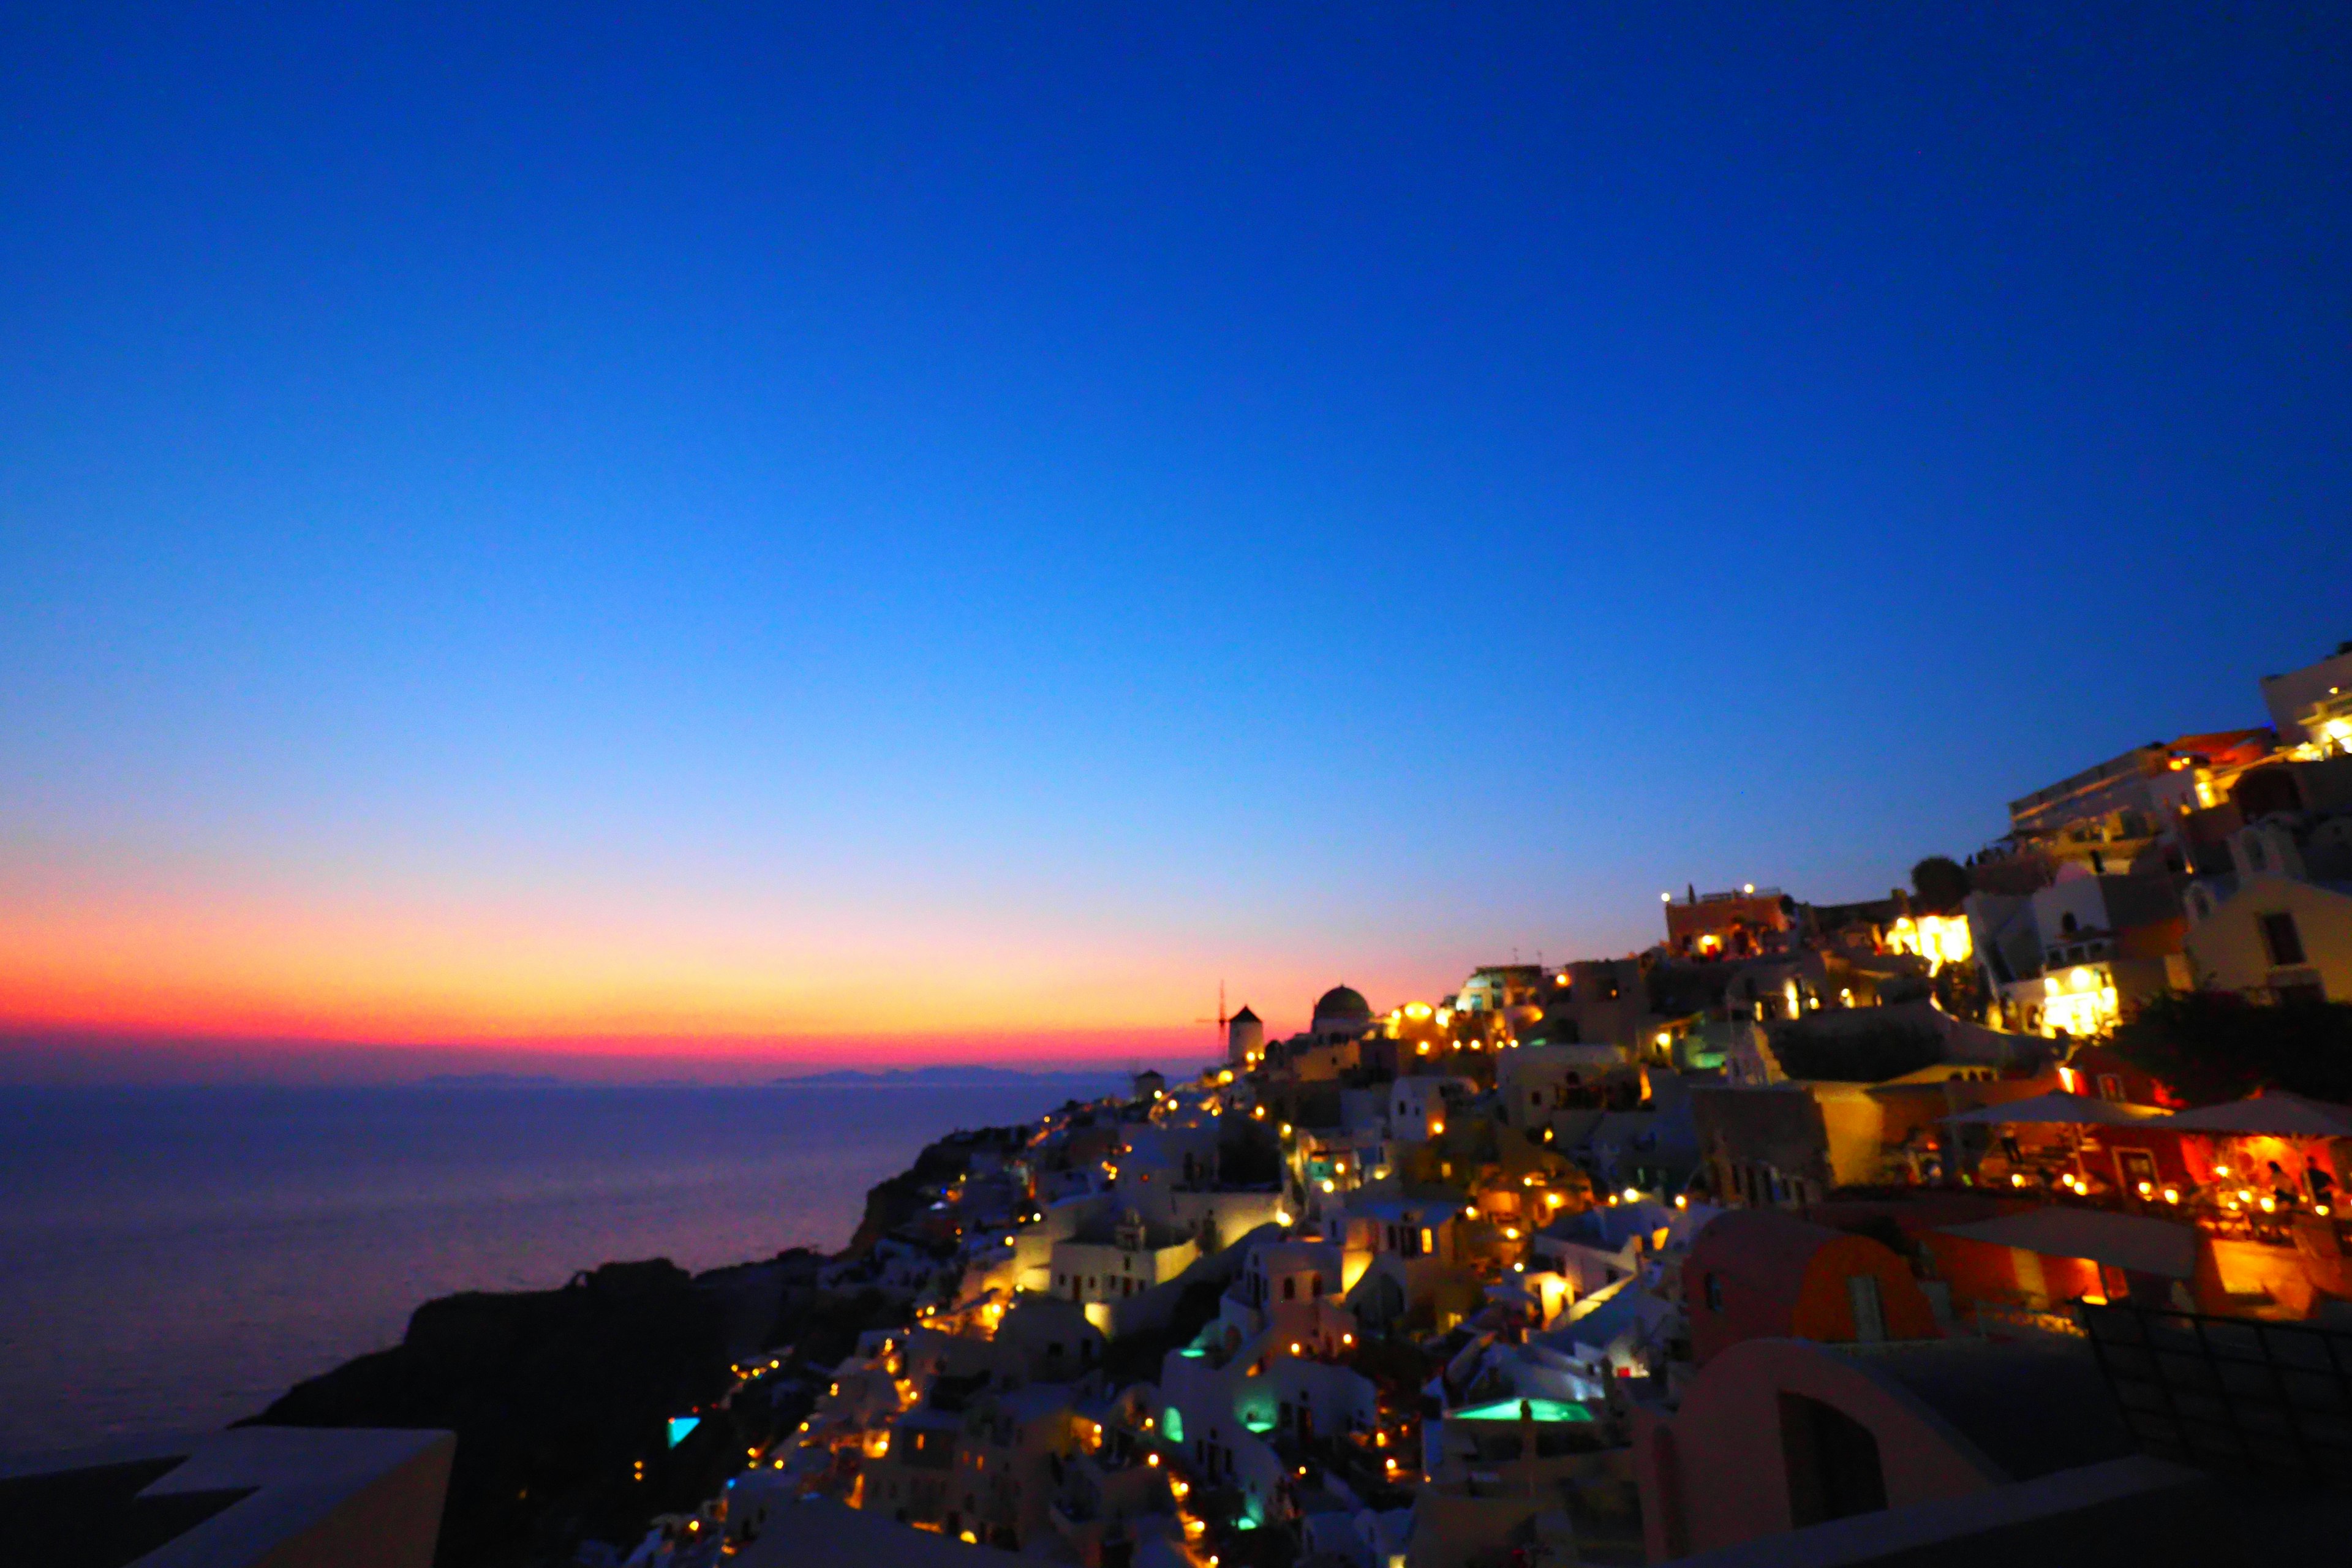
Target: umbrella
[(2120, 1240), (2268, 1115), (2058, 1109)]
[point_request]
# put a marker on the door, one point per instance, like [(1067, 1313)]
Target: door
[(1869, 1311), (1832, 1462)]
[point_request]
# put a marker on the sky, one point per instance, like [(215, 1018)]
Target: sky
[(687, 538)]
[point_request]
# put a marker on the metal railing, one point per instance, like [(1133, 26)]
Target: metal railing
[(2231, 1392)]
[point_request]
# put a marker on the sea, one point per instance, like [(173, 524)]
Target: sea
[(173, 1258)]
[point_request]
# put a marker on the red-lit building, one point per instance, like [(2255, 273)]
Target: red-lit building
[(1760, 1274), (1742, 923)]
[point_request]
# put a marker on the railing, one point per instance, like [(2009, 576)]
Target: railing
[(2267, 1397)]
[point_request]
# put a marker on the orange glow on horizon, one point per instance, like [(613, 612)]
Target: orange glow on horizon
[(709, 984)]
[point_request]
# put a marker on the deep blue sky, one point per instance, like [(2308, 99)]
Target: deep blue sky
[(1033, 511)]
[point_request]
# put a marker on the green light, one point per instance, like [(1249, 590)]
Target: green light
[(1509, 1410)]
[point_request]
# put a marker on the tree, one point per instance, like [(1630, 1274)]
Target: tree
[(1941, 883), (2211, 1045)]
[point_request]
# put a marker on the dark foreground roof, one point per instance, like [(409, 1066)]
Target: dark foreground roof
[(2031, 1409)]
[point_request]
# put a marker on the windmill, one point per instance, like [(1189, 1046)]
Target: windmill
[(1220, 1020)]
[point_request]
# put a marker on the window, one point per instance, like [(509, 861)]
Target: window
[(1290, 1288), (1713, 1291), (2283, 941), (2111, 1087)]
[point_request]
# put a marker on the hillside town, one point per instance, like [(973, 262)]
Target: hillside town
[(1871, 1220)]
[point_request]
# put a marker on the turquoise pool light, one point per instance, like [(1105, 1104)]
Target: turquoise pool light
[(1543, 1410)]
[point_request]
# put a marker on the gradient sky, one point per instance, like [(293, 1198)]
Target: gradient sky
[(878, 534)]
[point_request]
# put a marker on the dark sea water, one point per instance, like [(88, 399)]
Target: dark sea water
[(171, 1260)]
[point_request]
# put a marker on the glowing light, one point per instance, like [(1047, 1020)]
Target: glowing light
[(1544, 1410), (1631, 1194)]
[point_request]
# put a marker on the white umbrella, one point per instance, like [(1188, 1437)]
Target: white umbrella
[(2273, 1115), (2058, 1109), (2121, 1240)]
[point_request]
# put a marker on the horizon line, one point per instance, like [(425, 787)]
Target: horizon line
[(55, 1056)]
